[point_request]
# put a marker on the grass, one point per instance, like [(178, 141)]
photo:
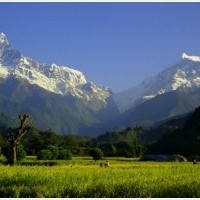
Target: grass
[(84, 178)]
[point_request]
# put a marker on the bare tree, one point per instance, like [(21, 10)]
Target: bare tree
[(14, 138)]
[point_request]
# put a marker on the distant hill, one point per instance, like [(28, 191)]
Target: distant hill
[(163, 107), (159, 129), (184, 141), (129, 135)]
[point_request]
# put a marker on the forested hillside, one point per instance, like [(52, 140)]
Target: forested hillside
[(185, 140)]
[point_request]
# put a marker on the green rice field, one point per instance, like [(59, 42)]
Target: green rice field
[(83, 177)]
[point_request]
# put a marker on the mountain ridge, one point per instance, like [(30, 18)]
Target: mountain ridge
[(62, 98), (184, 74), (57, 79), (57, 97)]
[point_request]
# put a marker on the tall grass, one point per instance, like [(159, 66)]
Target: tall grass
[(86, 179)]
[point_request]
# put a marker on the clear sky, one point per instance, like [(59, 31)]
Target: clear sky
[(114, 44)]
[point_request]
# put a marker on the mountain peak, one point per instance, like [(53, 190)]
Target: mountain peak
[(53, 78), (3, 39), (180, 76), (192, 58)]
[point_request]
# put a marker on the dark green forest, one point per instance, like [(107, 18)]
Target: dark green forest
[(43, 143), (183, 140), (176, 136)]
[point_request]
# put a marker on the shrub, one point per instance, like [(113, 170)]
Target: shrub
[(64, 154), (44, 154), (96, 153), (54, 152)]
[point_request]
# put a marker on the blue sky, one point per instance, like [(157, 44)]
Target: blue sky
[(114, 44)]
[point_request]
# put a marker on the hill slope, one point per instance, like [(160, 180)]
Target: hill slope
[(185, 141), (163, 107)]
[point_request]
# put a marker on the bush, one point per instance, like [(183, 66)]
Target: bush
[(96, 153), (54, 152), (44, 154), (64, 154)]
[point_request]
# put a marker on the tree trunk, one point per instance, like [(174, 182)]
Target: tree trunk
[(14, 154), (15, 138)]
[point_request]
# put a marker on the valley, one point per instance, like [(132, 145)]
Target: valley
[(99, 100)]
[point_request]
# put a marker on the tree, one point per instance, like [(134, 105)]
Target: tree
[(14, 138), (44, 154), (108, 149), (32, 142), (7, 152), (70, 141), (123, 149), (54, 152), (49, 137), (96, 153), (64, 154)]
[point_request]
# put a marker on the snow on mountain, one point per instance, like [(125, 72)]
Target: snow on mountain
[(3, 40), (58, 79), (184, 74), (192, 58)]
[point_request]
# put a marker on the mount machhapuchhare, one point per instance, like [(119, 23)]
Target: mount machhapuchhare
[(61, 99), (57, 97)]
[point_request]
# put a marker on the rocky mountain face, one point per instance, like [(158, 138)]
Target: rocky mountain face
[(58, 97), (57, 79), (62, 99), (184, 74)]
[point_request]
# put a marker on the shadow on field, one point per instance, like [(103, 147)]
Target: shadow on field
[(45, 163), (184, 191), (10, 192), (103, 191), (132, 191)]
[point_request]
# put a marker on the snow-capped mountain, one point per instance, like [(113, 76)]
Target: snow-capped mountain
[(57, 79), (61, 98), (57, 97), (184, 74)]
